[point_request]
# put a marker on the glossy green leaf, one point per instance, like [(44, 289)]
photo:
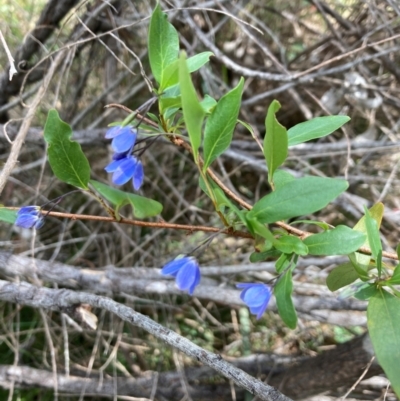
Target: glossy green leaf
[(275, 140), (8, 215), (374, 239), (383, 315), (315, 128), (283, 295), (170, 76), (342, 240), (68, 162), (296, 198), (341, 276), (221, 124), (191, 107), (163, 42), (291, 244), (142, 207)]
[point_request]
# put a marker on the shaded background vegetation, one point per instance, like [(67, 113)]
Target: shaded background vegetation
[(317, 58)]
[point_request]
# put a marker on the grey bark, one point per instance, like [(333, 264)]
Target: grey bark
[(67, 301)]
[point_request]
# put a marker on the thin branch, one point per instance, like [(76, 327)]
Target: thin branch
[(63, 300), (13, 70), (19, 140)]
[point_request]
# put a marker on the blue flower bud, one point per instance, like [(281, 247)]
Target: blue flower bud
[(186, 272), (29, 217), (256, 296)]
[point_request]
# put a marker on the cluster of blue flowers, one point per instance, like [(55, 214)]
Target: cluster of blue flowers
[(186, 271), (29, 217), (124, 166)]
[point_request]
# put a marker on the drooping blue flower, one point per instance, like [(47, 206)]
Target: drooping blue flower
[(256, 296), (126, 167), (186, 272), (123, 138), (29, 217)]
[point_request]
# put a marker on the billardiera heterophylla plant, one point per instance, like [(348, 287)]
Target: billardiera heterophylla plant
[(124, 166), (210, 124), (186, 271), (29, 217), (256, 296)]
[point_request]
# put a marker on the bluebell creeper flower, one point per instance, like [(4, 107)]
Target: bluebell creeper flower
[(126, 167), (123, 138), (256, 296), (29, 217), (186, 272)]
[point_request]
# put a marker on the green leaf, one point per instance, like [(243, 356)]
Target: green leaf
[(352, 289), (256, 257), (208, 103), (283, 262), (374, 239), (341, 276), (219, 194), (361, 269), (255, 227), (342, 240), (316, 128), (68, 162), (320, 224), (191, 107), (275, 140), (281, 178), (376, 213), (283, 295), (395, 279), (296, 198), (166, 103), (221, 123), (383, 315), (291, 244), (163, 44), (142, 207), (366, 292), (170, 76), (8, 215)]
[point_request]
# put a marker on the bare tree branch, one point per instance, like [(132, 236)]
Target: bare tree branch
[(64, 300), (314, 302), (339, 367)]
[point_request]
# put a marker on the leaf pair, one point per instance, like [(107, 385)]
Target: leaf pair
[(277, 139), (169, 69)]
